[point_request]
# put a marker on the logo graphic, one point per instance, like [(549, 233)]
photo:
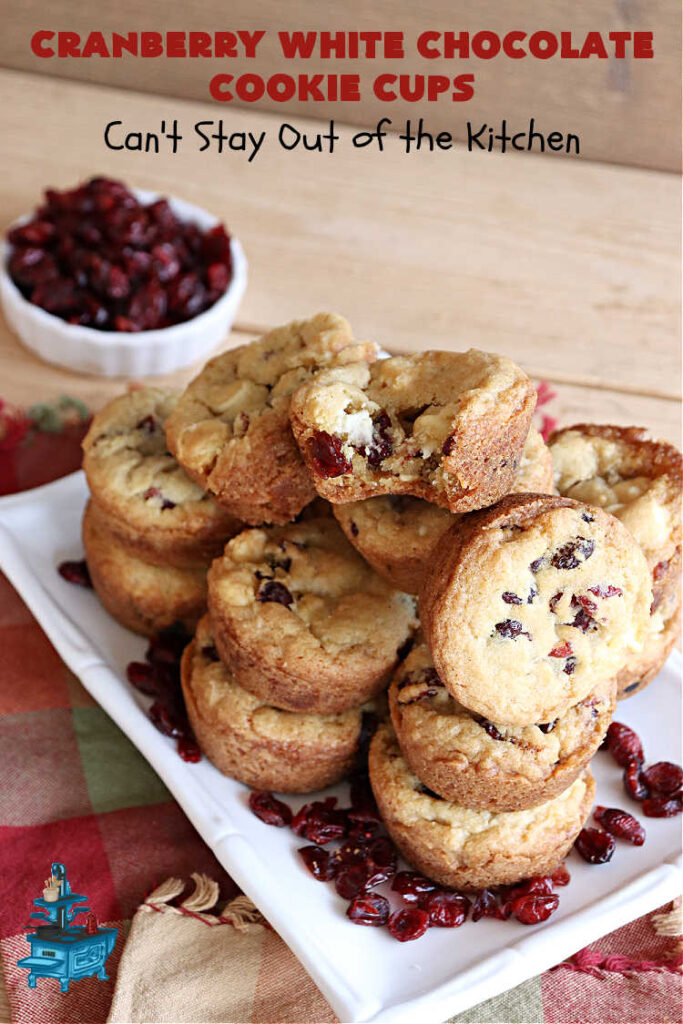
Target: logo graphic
[(59, 948)]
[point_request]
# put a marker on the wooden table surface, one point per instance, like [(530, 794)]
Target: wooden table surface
[(569, 267)]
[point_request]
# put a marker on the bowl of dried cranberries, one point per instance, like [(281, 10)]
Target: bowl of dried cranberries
[(116, 281)]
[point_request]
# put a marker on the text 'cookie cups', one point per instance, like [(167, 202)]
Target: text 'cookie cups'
[(530, 604), (469, 849), (485, 765), (638, 480), (143, 597), (303, 621), (255, 743), (397, 533), (230, 429), (445, 426), (151, 504)]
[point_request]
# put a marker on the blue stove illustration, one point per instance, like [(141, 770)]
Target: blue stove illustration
[(59, 948)]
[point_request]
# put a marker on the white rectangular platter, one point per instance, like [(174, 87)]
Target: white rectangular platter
[(363, 972)]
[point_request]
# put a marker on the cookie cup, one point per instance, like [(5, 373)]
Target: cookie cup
[(469, 849), (142, 597), (255, 743)]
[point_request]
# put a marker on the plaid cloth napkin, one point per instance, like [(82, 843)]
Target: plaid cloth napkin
[(75, 790)]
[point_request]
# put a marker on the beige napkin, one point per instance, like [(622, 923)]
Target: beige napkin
[(184, 964)]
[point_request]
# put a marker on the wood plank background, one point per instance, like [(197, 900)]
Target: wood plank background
[(571, 268), (625, 111)]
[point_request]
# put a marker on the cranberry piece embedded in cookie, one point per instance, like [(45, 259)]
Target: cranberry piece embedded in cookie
[(620, 824), (269, 809), (75, 572), (408, 924), (327, 454), (511, 598), (369, 909), (271, 590), (664, 778), (562, 650), (381, 446), (624, 744), (490, 728), (565, 557), (606, 590), (148, 424), (594, 845), (511, 629), (547, 727)]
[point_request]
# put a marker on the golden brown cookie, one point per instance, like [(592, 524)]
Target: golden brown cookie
[(486, 765), (303, 621), (140, 596), (397, 534), (638, 480), (469, 849), (445, 426), (230, 429), (150, 501), (255, 743), (531, 604)]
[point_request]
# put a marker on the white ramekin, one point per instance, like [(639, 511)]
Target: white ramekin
[(117, 353)]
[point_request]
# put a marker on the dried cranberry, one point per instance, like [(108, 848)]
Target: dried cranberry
[(565, 557), (167, 646), (491, 730), (620, 824), (533, 909), (624, 744), (381, 446), (583, 621), (660, 807), (446, 909), (594, 845), (270, 810), (382, 859), (511, 629), (369, 909), (189, 749), (75, 572), (320, 822), (605, 590), (561, 876), (547, 727), (412, 886), (318, 862), (165, 719), (634, 781), (486, 905), (363, 805), (541, 885), (664, 778), (569, 666), (562, 650), (449, 445), (271, 590), (148, 425), (352, 881), (408, 924), (555, 600), (142, 676), (511, 598), (326, 451)]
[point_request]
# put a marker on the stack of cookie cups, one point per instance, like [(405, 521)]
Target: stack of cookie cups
[(149, 531), (276, 699), (529, 613)]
